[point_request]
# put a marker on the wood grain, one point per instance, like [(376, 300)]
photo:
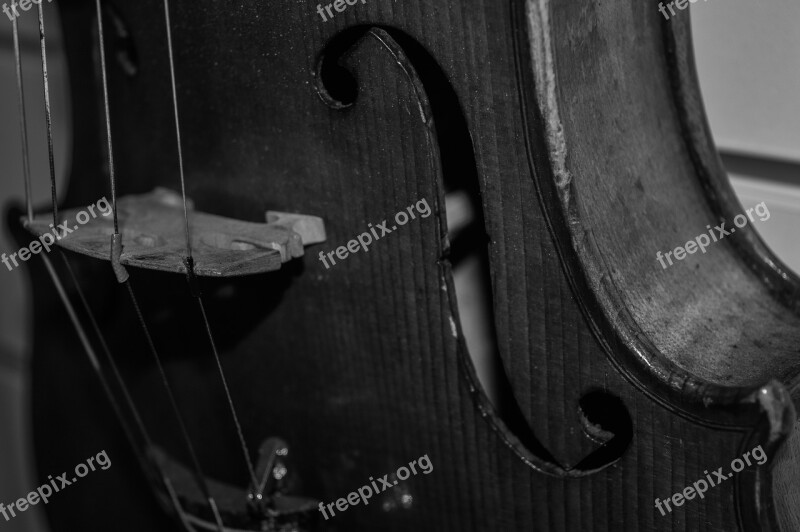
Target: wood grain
[(363, 366)]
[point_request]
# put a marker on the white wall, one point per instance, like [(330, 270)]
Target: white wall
[(748, 60)]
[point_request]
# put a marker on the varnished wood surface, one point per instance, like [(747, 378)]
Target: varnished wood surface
[(447, 92)]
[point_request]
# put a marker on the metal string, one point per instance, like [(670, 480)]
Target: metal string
[(112, 176), (189, 262), (87, 346), (112, 362), (177, 504), (198, 471), (23, 122), (70, 310), (48, 115), (73, 316), (51, 271), (239, 432), (177, 127)]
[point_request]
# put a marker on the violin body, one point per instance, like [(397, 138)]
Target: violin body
[(577, 130)]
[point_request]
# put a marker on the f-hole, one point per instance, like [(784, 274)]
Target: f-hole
[(468, 252)]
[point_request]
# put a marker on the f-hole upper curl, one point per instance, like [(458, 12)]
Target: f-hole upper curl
[(335, 85)]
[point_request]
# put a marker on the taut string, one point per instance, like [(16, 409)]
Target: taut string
[(124, 278), (111, 171), (23, 122), (198, 470), (83, 337), (78, 326), (90, 353), (116, 250), (189, 261), (48, 115)]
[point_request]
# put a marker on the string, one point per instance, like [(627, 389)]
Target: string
[(189, 262), (48, 115), (177, 504), (198, 471), (90, 353), (177, 127), (111, 361), (239, 432), (48, 265), (70, 310), (112, 176), (200, 478), (23, 122)]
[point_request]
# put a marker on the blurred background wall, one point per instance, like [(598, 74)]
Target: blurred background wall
[(748, 58)]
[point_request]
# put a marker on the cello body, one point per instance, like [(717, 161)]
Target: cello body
[(577, 131)]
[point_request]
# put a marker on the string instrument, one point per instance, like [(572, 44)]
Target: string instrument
[(252, 373)]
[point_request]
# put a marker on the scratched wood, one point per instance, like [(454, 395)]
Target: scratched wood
[(576, 127)]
